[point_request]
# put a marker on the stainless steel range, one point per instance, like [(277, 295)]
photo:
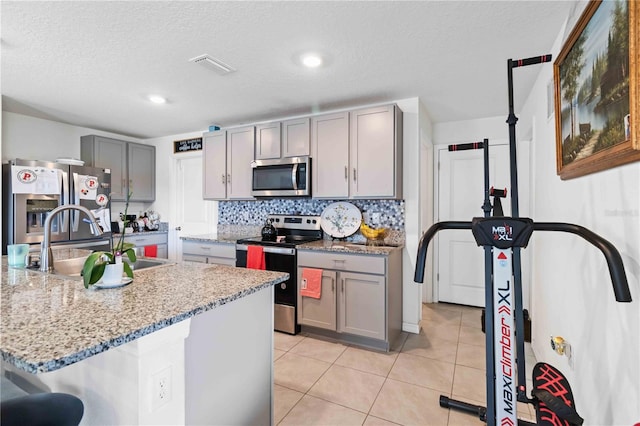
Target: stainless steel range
[(281, 256)]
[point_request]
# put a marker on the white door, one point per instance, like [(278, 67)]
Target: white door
[(460, 263), (194, 215)]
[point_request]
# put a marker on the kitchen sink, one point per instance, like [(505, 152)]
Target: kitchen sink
[(73, 267)]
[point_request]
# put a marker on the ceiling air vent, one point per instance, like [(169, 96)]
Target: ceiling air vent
[(213, 64)]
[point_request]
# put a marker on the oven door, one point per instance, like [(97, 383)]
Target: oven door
[(280, 259), (287, 177)]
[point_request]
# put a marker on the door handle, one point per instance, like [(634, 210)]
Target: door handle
[(294, 176)]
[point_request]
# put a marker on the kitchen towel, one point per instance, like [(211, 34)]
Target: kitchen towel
[(151, 251), (255, 257), (311, 283)]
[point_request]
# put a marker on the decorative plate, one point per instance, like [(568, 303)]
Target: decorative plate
[(125, 281), (340, 219)]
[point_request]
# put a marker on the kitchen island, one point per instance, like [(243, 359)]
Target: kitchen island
[(182, 344)]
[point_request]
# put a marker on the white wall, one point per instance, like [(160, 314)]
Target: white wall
[(412, 298), (572, 293), (37, 139)]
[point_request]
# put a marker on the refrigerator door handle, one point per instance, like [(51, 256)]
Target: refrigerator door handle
[(63, 219), (75, 220)]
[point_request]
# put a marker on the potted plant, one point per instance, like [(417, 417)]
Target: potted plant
[(100, 261)]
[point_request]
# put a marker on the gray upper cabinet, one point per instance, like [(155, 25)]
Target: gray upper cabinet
[(295, 137), (227, 161), (282, 139), (358, 154), (375, 155), (268, 141), (141, 162), (132, 165), (330, 155), (214, 166)]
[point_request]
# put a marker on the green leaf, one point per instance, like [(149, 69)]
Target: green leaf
[(128, 270), (131, 254), (91, 267)]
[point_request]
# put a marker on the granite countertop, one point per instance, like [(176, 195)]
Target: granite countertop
[(217, 238), (134, 234), (320, 245), (49, 321), (347, 247)]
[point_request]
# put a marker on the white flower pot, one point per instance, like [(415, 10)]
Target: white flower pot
[(113, 273)]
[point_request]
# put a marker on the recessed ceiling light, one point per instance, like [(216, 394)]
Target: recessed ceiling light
[(311, 60), (156, 99)]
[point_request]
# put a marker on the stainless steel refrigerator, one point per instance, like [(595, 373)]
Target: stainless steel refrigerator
[(32, 189)]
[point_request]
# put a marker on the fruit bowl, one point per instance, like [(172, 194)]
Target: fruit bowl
[(375, 237)]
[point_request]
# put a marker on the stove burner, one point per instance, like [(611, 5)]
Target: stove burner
[(295, 229)]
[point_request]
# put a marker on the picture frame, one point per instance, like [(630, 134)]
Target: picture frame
[(596, 79)]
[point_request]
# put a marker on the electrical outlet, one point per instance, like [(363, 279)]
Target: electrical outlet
[(161, 388)]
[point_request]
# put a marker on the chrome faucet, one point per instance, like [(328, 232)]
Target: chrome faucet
[(46, 257)]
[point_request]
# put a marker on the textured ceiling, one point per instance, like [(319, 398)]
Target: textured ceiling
[(92, 64)]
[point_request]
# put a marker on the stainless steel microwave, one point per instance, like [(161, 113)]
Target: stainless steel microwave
[(284, 177)]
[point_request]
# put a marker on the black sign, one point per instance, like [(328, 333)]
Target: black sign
[(187, 145)]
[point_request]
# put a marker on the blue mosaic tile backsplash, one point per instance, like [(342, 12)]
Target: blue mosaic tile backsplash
[(255, 212)]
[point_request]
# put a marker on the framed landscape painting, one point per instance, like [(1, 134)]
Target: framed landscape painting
[(596, 78)]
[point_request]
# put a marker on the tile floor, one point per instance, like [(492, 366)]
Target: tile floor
[(323, 383)]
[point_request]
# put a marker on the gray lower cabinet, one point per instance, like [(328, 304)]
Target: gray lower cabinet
[(160, 240), (209, 252), (361, 297)]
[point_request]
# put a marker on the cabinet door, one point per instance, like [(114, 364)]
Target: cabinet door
[(268, 141), (163, 251), (142, 172), (295, 138), (321, 312), (373, 154), (110, 154), (330, 151), (239, 158), (193, 258), (362, 305), (214, 166)]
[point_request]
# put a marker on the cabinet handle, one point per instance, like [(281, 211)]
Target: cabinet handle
[(354, 174), (205, 248), (346, 173), (228, 178), (342, 284), (333, 285), (178, 228), (223, 181), (124, 182)]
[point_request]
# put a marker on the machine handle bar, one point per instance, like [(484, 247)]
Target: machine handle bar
[(614, 260), (530, 61), (466, 146)]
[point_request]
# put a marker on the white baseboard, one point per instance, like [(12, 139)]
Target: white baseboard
[(411, 328)]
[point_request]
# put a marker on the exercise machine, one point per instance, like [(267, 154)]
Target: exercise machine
[(502, 237)]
